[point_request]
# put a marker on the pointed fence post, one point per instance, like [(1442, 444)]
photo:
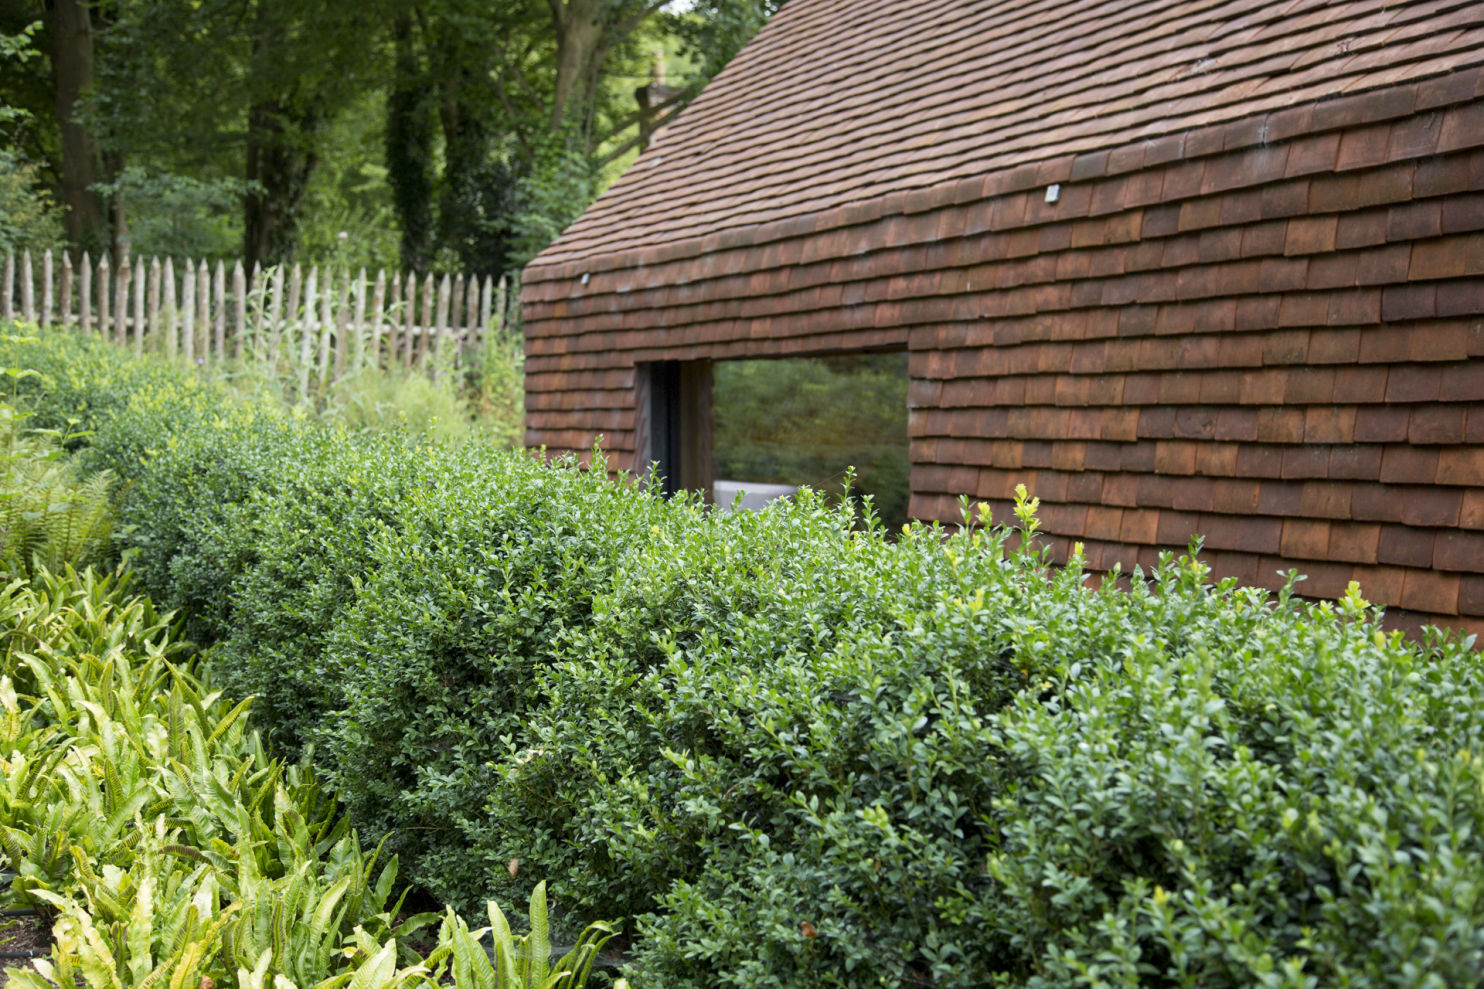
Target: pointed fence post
[(358, 324), (172, 312), (239, 308), (293, 317), (328, 314), (7, 301), (473, 329), (121, 302), (85, 291), (155, 334), (378, 317), (395, 306), (441, 327), (458, 313), (105, 297), (455, 314), (486, 287), (139, 280), (430, 295), (257, 289), (28, 287), (306, 340), (46, 289), (342, 327), (188, 312), (219, 316), (469, 342), (277, 314), (203, 312), (409, 321), (64, 297)]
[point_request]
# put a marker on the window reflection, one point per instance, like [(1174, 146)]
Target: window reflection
[(806, 421)]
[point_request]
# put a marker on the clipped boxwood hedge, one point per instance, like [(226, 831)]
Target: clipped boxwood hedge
[(794, 752)]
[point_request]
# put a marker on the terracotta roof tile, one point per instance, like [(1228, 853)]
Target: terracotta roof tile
[(845, 101)]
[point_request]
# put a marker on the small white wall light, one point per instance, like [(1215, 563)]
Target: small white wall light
[(1053, 192)]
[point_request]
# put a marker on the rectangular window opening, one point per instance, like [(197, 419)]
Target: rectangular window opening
[(784, 423)]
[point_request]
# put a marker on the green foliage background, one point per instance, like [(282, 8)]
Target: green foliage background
[(442, 136), (28, 217)]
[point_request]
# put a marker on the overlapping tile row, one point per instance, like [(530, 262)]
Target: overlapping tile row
[(1269, 332), (837, 102)]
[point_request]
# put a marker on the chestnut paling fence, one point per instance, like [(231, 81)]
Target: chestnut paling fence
[(326, 322)]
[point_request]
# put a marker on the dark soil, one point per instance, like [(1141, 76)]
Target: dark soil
[(21, 934)]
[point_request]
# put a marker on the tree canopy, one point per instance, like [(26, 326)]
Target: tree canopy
[(437, 134)]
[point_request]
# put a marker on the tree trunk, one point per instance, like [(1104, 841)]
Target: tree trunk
[(279, 172), (122, 243), (579, 33), (72, 59), (409, 151), (465, 199), (113, 165)]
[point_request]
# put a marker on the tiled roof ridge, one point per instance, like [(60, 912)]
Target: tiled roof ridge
[(1289, 123)]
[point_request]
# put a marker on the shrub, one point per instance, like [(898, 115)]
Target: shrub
[(81, 381), (797, 753), (1298, 806)]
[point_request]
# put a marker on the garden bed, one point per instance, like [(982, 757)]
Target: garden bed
[(22, 938), (785, 750)]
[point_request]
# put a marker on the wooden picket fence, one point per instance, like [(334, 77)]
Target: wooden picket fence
[(325, 322)]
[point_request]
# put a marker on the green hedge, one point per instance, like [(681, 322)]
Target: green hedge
[(796, 753)]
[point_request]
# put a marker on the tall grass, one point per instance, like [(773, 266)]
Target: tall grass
[(481, 395)]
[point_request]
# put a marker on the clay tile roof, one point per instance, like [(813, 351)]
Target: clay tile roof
[(838, 101)]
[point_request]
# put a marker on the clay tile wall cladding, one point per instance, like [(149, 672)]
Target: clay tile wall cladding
[(1268, 331)]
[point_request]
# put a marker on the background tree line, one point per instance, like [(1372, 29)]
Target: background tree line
[(436, 134)]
